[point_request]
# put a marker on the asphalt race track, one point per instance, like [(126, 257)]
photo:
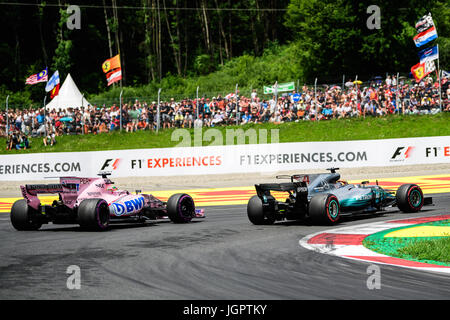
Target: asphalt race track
[(220, 257)]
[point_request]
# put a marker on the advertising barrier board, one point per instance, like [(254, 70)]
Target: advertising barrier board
[(263, 158)]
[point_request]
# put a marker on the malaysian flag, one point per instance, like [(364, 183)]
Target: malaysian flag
[(38, 77)]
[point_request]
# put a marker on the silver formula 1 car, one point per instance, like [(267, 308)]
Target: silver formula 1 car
[(324, 198)]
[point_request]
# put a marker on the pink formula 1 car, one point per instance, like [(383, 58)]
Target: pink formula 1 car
[(93, 203)]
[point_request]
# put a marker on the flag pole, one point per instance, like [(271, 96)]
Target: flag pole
[(120, 68), (158, 121), (197, 105), (439, 79), (7, 117), (357, 90), (82, 116), (397, 100), (315, 99), (238, 112), (120, 107), (45, 117), (45, 109)]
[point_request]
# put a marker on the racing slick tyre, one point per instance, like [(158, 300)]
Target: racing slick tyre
[(409, 198), (324, 209), (255, 212), (180, 208), (93, 214), (22, 216)]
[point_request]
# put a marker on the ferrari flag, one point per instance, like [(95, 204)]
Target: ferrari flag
[(111, 64), (421, 70), (114, 76)]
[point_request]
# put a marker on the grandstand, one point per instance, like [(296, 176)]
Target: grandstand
[(328, 102)]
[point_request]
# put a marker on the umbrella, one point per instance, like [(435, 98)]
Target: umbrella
[(357, 82), (68, 119), (378, 79), (349, 84)]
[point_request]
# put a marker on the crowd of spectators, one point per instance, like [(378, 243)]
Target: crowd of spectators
[(376, 98)]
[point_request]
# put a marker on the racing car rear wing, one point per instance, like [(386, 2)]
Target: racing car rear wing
[(35, 189), (295, 177), (298, 195), (300, 188), (30, 191)]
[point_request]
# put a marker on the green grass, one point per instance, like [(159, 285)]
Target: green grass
[(434, 250), (428, 250), (335, 130)]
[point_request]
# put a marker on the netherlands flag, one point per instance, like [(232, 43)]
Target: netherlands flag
[(425, 37)]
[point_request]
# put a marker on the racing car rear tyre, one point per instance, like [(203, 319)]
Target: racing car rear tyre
[(21, 216), (255, 212), (324, 209), (93, 214), (180, 208), (409, 198)]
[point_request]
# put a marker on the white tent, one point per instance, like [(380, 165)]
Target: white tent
[(69, 97)]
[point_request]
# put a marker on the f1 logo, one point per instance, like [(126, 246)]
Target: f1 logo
[(107, 164), (399, 152)]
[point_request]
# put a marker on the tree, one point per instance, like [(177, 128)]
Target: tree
[(62, 59), (335, 40)]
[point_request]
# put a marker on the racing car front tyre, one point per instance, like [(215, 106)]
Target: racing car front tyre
[(22, 216), (409, 198), (324, 209), (255, 212), (180, 208), (93, 214)]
